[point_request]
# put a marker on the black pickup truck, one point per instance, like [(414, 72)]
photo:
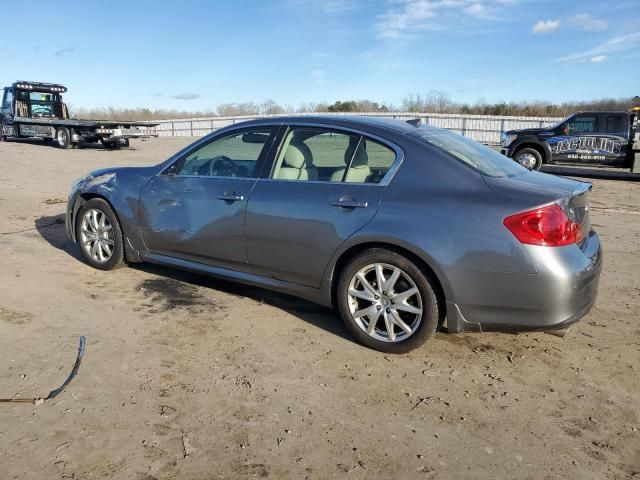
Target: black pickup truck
[(585, 139), (36, 109)]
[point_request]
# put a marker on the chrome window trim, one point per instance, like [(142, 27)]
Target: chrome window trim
[(384, 182)]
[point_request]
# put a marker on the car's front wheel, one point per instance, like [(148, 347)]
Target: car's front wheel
[(529, 158), (388, 302), (99, 235)]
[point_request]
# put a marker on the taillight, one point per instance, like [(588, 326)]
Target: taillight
[(548, 226)]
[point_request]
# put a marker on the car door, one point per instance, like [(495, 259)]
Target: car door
[(584, 139), (195, 209), (6, 114), (324, 185)]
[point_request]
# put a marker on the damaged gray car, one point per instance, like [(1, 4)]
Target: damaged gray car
[(401, 228)]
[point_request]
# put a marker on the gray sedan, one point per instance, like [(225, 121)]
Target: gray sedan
[(401, 228)]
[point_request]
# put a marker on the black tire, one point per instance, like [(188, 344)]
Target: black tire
[(527, 153), (117, 257), (63, 138), (3, 138), (426, 285), (110, 145)]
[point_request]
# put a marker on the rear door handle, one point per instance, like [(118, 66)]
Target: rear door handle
[(349, 204), (231, 197)]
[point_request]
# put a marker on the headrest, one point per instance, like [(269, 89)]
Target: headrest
[(297, 155), (361, 159)]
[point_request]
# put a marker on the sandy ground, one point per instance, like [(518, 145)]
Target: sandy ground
[(191, 377)]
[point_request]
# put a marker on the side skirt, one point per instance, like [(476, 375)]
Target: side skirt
[(314, 295)]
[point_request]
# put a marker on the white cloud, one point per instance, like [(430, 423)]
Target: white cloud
[(587, 22), (405, 18), (544, 26), (621, 43), (599, 59)]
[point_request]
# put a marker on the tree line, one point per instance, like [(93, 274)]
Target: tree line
[(435, 101)]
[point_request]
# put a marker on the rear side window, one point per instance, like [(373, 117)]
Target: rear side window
[(583, 124), (324, 155), (477, 156), (615, 124)]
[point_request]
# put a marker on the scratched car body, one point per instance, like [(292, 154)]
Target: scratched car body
[(400, 228)]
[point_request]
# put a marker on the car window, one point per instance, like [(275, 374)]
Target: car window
[(314, 154), (370, 163), (320, 154), (479, 157), (615, 124), (583, 124), (235, 155)]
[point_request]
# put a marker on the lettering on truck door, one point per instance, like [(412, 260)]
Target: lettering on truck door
[(591, 138)]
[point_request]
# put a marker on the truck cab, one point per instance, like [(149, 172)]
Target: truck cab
[(585, 139), (30, 100)]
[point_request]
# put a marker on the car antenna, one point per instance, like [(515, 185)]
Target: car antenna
[(416, 122)]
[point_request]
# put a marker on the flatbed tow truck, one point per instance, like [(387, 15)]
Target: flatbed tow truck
[(36, 110)]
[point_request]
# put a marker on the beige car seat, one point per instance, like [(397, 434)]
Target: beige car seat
[(359, 171), (297, 163)]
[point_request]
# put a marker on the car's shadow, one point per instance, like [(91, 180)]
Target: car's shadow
[(51, 229)]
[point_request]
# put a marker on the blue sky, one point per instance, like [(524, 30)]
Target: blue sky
[(196, 54)]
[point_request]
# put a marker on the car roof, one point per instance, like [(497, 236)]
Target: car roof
[(398, 126)]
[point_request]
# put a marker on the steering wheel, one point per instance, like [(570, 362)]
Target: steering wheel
[(222, 166)]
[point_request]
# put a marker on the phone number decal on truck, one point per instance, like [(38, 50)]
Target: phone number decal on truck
[(586, 157)]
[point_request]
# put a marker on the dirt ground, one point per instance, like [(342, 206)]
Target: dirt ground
[(190, 377)]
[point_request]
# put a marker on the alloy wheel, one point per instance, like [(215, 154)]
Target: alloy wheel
[(385, 302), (96, 235)]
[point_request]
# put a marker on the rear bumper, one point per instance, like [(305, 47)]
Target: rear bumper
[(563, 290)]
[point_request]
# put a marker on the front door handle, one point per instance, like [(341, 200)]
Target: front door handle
[(349, 204), (231, 197)]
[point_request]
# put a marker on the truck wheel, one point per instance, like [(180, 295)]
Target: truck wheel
[(63, 138), (109, 145), (529, 158), (3, 137)]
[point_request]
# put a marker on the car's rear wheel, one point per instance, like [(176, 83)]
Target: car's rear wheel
[(99, 235), (63, 138), (529, 158), (387, 302)]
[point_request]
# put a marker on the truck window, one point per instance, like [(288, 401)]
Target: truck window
[(583, 124), (8, 98), (615, 124)]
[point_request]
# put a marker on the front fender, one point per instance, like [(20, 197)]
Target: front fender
[(121, 189)]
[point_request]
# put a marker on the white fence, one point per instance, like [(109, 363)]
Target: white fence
[(483, 128)]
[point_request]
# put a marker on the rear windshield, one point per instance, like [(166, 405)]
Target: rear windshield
[(479, 157)]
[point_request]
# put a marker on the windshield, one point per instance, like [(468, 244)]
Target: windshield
[(42, 104), (479, 157)]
